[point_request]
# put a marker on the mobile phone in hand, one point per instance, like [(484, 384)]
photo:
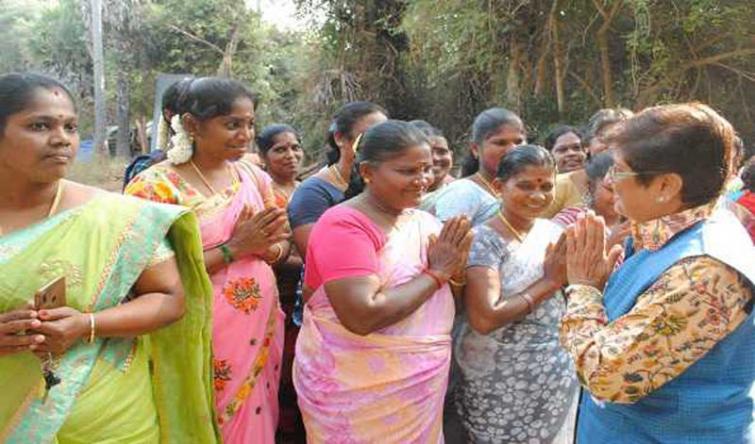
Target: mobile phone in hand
[(51, 295)]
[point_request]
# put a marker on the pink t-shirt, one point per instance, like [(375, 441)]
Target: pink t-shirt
[(344, 243)]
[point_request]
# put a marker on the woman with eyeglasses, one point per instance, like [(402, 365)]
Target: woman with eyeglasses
[(664, 344)]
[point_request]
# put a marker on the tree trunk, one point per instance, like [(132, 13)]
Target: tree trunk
[(605, 67), (226, 65), (605, 56), (513, 78), (141, 134), (98, 60), (123, 141), (541, 67), (557, 59)]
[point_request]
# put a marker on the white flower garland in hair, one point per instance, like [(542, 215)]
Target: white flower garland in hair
[(163, 135), (181, 148)]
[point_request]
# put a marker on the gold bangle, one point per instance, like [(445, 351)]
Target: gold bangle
[(278, 255), (91, 328), (456, 283), (528, 299)]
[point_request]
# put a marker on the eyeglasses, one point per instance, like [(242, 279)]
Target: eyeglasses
[(620, 175)]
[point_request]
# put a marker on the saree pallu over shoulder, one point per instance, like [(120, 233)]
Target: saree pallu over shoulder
[(248, 335), (389, 385), (102, 248)]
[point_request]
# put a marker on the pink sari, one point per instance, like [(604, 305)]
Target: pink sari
[(387, 386), (247, 334)]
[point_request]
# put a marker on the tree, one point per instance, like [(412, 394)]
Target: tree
[(93, 12)]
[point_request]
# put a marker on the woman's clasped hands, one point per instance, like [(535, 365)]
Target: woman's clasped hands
[(587, 261), (448, 251), (255, 233), (41, 331)]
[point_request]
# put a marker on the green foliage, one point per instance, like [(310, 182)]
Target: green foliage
[(439, 60), (17, 19)]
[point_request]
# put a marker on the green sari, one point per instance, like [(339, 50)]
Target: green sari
[(154, 388)]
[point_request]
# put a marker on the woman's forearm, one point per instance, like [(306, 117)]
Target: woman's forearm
[(214, 260), (511, 309), (145, 314), (383, 307), (395, 304)]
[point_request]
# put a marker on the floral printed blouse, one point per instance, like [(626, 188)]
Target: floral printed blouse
[(683, 315)]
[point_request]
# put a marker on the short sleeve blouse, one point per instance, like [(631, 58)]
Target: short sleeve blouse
[(311, 199), (344, 243)]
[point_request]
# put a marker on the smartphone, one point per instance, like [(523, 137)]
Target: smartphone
[(51, 295)]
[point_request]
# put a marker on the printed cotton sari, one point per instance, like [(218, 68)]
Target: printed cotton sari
[(247, 335), (154, 388), (387, 386)]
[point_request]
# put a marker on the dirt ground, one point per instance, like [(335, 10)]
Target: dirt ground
[(102, 172)]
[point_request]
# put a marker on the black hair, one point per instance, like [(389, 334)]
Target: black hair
[(208, 97), (521, 157), (596, 169), (550, 140), (689, 139), (332, 155), (344, 121), (17, 91), (486, 124), (266, 138), (381, 142), (427, 129), (172, 94), (389, 139), (603, 118)]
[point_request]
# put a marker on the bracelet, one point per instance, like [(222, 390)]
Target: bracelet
[(277, 256), (226, 252), (91, 328), (459, 283), (438, 281), (528, 299)]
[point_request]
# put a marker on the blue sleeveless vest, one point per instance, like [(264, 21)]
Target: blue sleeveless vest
[(712, 401)]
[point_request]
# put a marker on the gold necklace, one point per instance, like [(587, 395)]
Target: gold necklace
[(337, 176), (206, 182), (55, 202), (282, 192), (488, 185), (511, 228)]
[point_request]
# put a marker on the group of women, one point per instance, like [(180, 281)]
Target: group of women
[(379, 300)]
